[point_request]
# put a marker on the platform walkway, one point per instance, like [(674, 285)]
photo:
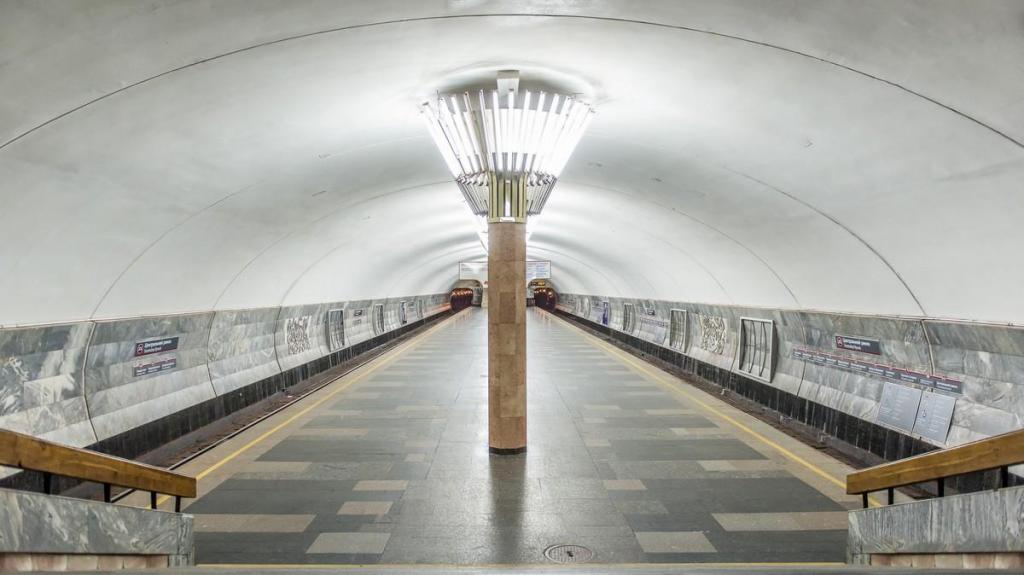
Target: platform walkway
[(389, 465)]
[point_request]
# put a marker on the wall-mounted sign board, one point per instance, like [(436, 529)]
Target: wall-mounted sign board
[(934, 416), (861, 344), (154, 367), (888, 372), (535, 270), (473, 271), (538, 270), (898, 406), (156, 346)]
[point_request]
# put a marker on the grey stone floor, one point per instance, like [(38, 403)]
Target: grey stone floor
[(396, 470)]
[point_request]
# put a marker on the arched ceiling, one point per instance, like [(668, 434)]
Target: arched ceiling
[(167, 156)]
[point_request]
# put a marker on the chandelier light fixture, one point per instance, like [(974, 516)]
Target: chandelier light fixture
[(506, 147)]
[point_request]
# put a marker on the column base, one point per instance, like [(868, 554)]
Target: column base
[(508, 451)]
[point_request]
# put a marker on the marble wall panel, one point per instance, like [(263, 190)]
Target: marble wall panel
[(41, 384), (390, 314), (990, 362), (654, 328), (714, 334), (37, 523), (596, 310), (358, 321), (902, 343), (424, 306), (242, 348), (615, 312), (119, 399), (787, 373), (437, 303), (301, 334)]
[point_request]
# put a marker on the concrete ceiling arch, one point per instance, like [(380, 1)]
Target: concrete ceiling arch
[(160, 157)]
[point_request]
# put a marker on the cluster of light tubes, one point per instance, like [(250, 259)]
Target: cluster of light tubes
[(515, 134)]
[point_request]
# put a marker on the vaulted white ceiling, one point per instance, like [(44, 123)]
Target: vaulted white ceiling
[(166, 156)]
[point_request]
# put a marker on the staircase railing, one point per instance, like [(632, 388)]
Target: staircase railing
[(55, 459), (997, 452)]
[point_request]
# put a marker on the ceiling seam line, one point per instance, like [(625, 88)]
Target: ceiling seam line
[(423, 264), (152, 244), (793, 51), (296, 231), (608, 279), (852, 233), (714, 229)]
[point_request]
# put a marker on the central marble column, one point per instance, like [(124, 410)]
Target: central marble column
[(506, 337)]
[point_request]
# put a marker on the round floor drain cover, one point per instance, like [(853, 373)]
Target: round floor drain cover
[(568, 553)]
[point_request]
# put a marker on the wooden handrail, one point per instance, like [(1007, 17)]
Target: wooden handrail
[(999, 451), (32, 453)]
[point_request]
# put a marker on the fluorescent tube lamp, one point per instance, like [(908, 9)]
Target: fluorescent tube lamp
[(507, 148)]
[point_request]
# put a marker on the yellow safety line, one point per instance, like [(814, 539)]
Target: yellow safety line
[(356, 377), (660, 377)]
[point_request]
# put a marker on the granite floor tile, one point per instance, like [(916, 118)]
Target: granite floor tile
[(674, 542), (794, 521), (381, 485), (355, 543), (237, 523), (624, 485), (659, 450), (640, 507), (365, 508)]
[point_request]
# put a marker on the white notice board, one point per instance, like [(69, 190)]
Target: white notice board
[(535, 270)]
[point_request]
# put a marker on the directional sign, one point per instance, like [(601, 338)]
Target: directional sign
[(861, 344), (156, 346)]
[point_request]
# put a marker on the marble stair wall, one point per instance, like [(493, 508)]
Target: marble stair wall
[(982, 530), (51, 533)]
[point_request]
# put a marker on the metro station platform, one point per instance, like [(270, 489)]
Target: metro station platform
[(390, 465)]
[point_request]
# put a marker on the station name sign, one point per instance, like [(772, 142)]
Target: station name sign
[(861, 344), (881, 371), (156, 346)]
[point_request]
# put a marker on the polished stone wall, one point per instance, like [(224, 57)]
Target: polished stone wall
[(242, 348), (36, 523), (301, 334), (119, 397), (42, 389), (902, 340), (358, 322), (87, 383), (988, 360)]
